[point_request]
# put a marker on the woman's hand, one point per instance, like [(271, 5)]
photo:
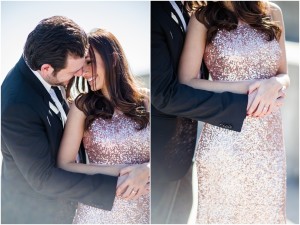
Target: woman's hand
[(263, 95), (136, 181)]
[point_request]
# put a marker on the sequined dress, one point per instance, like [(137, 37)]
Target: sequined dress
[(111, 142), (242, 176)]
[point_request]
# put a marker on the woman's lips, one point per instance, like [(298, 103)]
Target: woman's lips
[(91, 80)]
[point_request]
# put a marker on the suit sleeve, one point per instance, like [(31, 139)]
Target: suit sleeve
[(24, 135), (226, 109)]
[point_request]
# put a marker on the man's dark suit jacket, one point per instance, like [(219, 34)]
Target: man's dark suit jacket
[(33, 189), (176, 107)]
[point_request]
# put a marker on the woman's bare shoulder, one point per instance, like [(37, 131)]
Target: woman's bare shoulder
[(275, 11)]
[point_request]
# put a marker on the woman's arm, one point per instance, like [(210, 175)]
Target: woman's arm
[(191, 59), (268, 91), (70, 143), (282, 73)]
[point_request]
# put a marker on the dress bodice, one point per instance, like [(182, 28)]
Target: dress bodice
[(242, 54), (110, 142), (117, 141)]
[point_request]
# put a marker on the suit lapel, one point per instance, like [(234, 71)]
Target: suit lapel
[(38, 86), (53, 107), (175, 17)]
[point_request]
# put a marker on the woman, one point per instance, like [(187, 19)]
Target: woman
[(113, 120), (241, 176)]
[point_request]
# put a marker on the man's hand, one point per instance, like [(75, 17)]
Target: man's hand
[(136, 183)]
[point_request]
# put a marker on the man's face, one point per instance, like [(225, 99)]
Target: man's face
[(74, 67)]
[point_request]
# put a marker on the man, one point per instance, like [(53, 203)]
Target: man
[(33, 113), (175, 109)]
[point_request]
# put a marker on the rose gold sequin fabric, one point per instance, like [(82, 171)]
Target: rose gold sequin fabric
[(111, 142), (242, 176)]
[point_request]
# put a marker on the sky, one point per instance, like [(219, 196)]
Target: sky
[(129, 21)]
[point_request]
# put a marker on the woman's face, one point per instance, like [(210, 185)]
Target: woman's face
[(97, 81)]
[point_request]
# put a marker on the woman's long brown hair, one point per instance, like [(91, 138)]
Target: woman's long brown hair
[(215, 16), (124, 93)]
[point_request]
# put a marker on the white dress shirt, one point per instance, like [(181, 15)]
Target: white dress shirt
[(179, 13), (53, 96)]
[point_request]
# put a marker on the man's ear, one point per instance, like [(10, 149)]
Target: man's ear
[(46, 70)]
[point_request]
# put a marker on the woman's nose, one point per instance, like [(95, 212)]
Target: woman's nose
[(79, 73), (86, 69), (86, 74)]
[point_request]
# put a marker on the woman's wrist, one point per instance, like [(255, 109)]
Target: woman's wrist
[(276, 82)]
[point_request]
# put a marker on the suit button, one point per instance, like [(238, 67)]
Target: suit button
[(226, 126)]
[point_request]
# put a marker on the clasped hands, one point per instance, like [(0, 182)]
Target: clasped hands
[(264, 96), (134, 181)]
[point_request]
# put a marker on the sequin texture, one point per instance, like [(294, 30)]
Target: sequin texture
[(110, 142), (242, 176)]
